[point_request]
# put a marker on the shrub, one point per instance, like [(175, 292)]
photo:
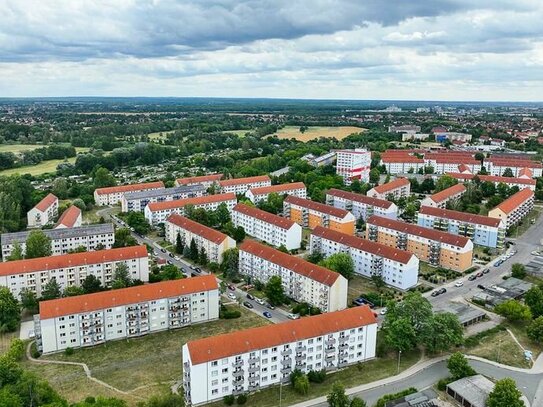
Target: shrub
[(69, 351), (34, 352), (389, 397), (317, 376), (294, 375), (90, 400), (442, 383), (242, 399), (229, 400)]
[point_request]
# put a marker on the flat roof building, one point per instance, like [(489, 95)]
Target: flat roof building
[(471, 391), (113, 195), (261, 194), (353, 165), (137, 201)]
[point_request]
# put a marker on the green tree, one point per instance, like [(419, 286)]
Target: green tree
[(170, 272), (51, 290), (341, 263), (459, 367), (10, 312), (378, 281), (202, 256), (121, 276), (193, 250), (103, 178), (91, 284), (60, 188), (444, 182), (238, 234), (179, 244), (222, 214), (72, 291), (337, 396), (357, 402), (374, 176), (37, 245), (139, 222), (29, 300), (444, 332), (274, 290), (508, 172), (400, 334), (301, 384), (16, 252), (124, 238), (78, 202), (479, 157), (505, 394), (513, 311), (535, 330), (230, 264), (534, 300), (518, 270)]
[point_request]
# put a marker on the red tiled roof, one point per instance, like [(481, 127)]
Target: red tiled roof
[(69, 216), (288, 261), (459, 216), (368, 200), (526, 172), (317, 206), (504, 162), (46, 202), (238, 342), (365, 245), (514, 201), (126, 296), (130, 188), (278, 189), (197, 228), (72, 260), (402, 159), (447, 193), (264, 216), (409, 228), (493, 178), (196, 180), (247, 180), (463, 167), (392, 185), (199, 200)]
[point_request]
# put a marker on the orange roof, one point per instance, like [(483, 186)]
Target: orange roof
[(264, 216), (126, 296), (247, 180), (196, 180), (199, 200), (392, 185), (130, 188), (402, 159), (365, 245), (317, 206), (288, 261), (197, 228), (493, 178), (46, 202), (460, 216), (409, 228), (447, 193), (69, 216), (368, 200), (239, 342), (277, 188), (505, 162), (514, 201), (526, 172), (71, 260)]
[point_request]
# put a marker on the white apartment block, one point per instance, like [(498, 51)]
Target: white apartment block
[(44, 213), (400, 187), (497, 166), (398, 268), (257, 195), (137, 201), (64, 240), (205, 180), (113, 195), (71, 269), (521, 183), (255, 358), (158, 212), (361, 206), (302, 280), (70, 218), (241, 185), (401, 164), (440, 199), (212, 241), (515, 208), (353, 164), (267, 227), (92, 319)]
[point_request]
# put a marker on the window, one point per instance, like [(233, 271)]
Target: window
[(215, 363)]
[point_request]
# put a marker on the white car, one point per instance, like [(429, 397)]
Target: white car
[(459, 283), (232, 296), (383, 311), (293, 316), (260, 301)]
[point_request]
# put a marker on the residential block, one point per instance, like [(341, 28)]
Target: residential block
[(44, 213), (261, 194), (361, 206), (515, 208), (113, 195)]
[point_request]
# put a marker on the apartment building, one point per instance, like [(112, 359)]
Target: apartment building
[(399, 188), (212, 241), (447, 161), (113, 195), (267, 227), (302, 280), (353, 164), (515, 208), (70, 218), (401, 162), (92, 319), (433, 246), (137, 201), (361, 206), (261, 194), (255, 358), (44, 213), (241, 185), (440, 199), (498, 165), (71, 269), (521, 183), (398, 268), (311, 214), (482, 230), (158, 212), (63, 240), (205, 180)]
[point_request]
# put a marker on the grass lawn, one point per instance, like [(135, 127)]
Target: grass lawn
[(159, 135), (520, 333), (499, 347), (526, 223), (359, 285), (239, 133), (39, 169), (312, 133)]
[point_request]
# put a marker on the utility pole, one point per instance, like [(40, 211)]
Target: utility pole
[(399, 357), (280, 391)]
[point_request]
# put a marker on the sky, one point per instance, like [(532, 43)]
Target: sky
[(322, 49)]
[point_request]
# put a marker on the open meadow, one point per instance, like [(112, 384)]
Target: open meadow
[(316, 132), (42, 168)]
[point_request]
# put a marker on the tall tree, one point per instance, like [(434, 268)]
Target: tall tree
[(29, 300), (121, 276), (337, 396), (202, 256), (179, 244), (10, 312), (508, 172), (274, 290), (91, 284), (444, 332), (193, 250), (459, 367), (505, 394), (444, 182), (341, 263), (514, 311), (16, 252), (51, 290), (37, 245), (534, 300), (124, 238), (103, 178), (535, 330), (230, 263)]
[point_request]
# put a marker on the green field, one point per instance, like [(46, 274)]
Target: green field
[(316, 132), (19, 148), (42, 168), (159, 135), (239, 133)]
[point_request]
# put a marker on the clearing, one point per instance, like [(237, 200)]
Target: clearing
[(39, 169), (239, 133), (159, 135), (312, 133)]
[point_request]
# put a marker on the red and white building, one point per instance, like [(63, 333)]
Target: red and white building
[(241, 185), (440, 199), (70, 218), (400, 187), (44, 213), (361, 206), (205, 180), (509, 181), (113, 195), (498, 165), (353, 164), (515, 208), (261, 194)]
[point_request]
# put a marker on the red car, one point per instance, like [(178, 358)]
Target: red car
[(232, 287)]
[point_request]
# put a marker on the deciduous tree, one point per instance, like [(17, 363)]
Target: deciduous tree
[(121, 276), (274, 290), (341, 263), (534, 300), (514, 311), (337, 396), (535, 330), (51, 290), (10, 312), (459, 367), (505, 394), (37, 245)]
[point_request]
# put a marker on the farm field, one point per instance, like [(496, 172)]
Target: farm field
[(19, 148), (312, 133), (42, 168)]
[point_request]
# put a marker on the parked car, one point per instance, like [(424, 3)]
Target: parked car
[(293, 316), (163, 250), (472, 277), (486, 271), (198, 269), (269, 306), (442, 290), (479, 274), (435, 293), (480, 286), (384, 311), (248, 304), (267, 314), (250, 296), (358, 302), (459, 283), (232, 287), (232, 296), (498, 263), (170, 254), (260, 301), (169, 262)]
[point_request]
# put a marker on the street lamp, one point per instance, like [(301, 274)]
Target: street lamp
[(280, 391), (399, 357)]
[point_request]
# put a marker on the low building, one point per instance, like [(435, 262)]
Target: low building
[(261, 194), (71, 269), (137, 201), (515, 208), (452, 136), (113, 195), (440, 199), (398, 268), (63, 240), (213, 242), (70, 218), (44, 213), (311, 214), (361, 206), (433, 246), (269, 228), (482, 230), (471, 391), (467, 315), (92, 319), (399, 188), (158, 212), (325, 159), (405, 128), (415, 136), (241, 185), (205, 180), (353, 165), (521, 183), (255, 358)]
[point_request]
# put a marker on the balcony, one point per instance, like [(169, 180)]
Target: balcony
[(238, 372), (238, 381), (254, 359), (343, 346), (253, 369), (285, 369), (330, 342), (300, 349), (286, 352), (343, 339), (237, 363), (330, 349)]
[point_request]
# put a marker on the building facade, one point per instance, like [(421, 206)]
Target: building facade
[(440, 199), (205, 180), (70, 218), (521, 183), (241, 185), (44, 213), (137, 201), (113, 195), (261, 194), (361, 206), (399, 188), (515, 208), (353, 164)]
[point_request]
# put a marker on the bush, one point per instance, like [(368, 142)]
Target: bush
[(90, 400), (229, 400), (69, 351), (229, 313), (242, 399), (317, 376), (389, 397), (442, 383), (34, 352)]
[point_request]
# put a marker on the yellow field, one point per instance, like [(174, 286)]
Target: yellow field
[(159, 135), (315, 132), (41, 168)]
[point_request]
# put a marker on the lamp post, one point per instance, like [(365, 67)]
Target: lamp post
[(280, 391), (399, 357)]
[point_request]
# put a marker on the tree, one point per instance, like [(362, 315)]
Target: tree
[(508, 172), (78, 202), (103, 178), (444, 332), (51, 290), (230, 264), (518, 270), (535, 330), (378, 281), (400, 334), (301, 384), (341, 263), (139, 222), (513, 311), (505, 394), (60, 188), (534, 300), (193, 250), (37, 245), (179, 244), (479, 157), (337, 396), (170, 272), (444, 182), (222, 214), (10, 312), (29, 300), (358, 402), (202, 256), (91, 284), (124, 238), (72, 291), (374, 176), (459, 367), (488, 189), (121, 276), (274, 290), (238, 234), (16, 252)]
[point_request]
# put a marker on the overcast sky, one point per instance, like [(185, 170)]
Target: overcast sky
[(341, 49)]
